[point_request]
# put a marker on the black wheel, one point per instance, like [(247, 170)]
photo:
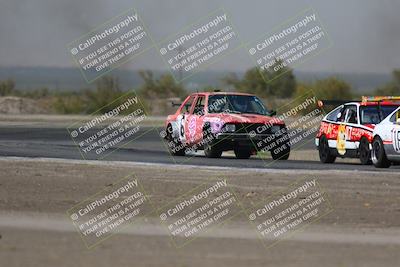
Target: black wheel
[(175, 146), (325, 154), (378, 154), (365, 152), (211, 150), (283, 154), (242, 153)]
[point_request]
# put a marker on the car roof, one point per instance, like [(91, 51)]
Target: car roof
[(382, 103), (221, 93)]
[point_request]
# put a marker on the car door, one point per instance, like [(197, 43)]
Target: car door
[(194, 129), (182, 119), (394, 128), (348, 119), (329, 127)]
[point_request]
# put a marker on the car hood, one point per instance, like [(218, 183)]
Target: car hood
[(244, 118)]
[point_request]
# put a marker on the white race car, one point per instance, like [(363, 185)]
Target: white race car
[(386, 141)]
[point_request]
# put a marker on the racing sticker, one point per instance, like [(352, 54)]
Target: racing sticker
[(192, 128), (181, 128), (396, 140), (341, 140)]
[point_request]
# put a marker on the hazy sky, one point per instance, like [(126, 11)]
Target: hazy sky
[(365, 33)]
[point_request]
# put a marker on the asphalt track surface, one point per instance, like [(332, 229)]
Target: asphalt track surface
[(362, 229), (55, 142)]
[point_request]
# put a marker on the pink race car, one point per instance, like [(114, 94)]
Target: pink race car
[(217, 122)]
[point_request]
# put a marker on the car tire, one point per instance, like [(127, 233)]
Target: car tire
[(378, 154), (175, 146), (281, 155), (325, 154), (365, 152), (211, 150), (242, 153)]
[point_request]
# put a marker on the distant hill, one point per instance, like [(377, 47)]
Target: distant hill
[(28, 78), (361, 82)]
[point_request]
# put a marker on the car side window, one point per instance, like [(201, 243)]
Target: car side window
[(342, 117), (187, 105), (351, 114), (333, 115), (199, 107), (395, 117)]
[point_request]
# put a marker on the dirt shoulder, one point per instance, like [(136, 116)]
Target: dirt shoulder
[(358, 198), (35, 231)]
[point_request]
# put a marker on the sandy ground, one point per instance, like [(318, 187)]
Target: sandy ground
[(362, 230)]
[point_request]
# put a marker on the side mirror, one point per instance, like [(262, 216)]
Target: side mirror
[(272, 113)]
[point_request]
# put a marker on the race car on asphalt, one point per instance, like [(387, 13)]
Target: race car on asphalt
[(386, 141), (346, 131), (218, 121)]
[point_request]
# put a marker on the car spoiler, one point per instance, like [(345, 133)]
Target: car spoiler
[(364, 99), (380, 98)]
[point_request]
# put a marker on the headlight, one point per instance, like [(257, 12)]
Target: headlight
[(230, 128), (275, 129)]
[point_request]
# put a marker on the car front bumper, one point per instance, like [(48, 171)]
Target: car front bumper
[(244, 136), (257, 142)]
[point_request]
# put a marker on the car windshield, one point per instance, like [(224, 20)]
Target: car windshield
[(375, 114), (236, 104)]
